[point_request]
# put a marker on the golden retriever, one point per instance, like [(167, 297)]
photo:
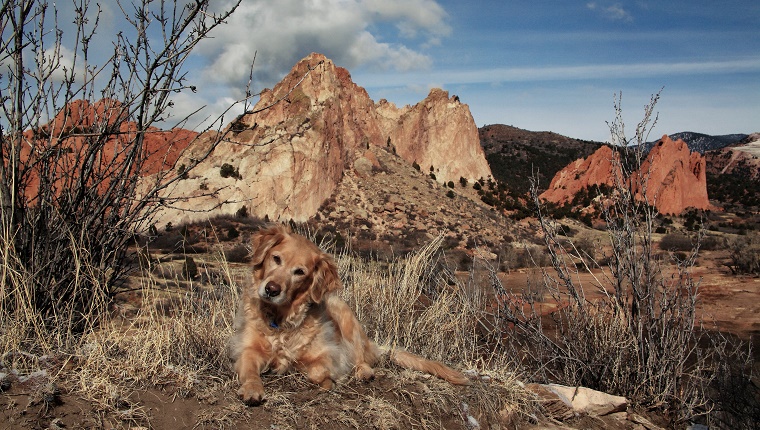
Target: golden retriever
[(291, 317)]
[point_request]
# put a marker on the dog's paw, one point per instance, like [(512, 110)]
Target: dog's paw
[(364, 372), (251, 394), (327, 384)]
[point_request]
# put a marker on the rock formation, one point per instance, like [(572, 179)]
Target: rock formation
[(438, 132), (596, 169), (743, 158), (675, 177), (733, 174), (286, 159), (70, 133)]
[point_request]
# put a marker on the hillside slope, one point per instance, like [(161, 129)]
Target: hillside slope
[(515, 154)]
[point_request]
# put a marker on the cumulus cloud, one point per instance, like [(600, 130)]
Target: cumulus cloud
[(411, 16), (380, 35), (350, 32)]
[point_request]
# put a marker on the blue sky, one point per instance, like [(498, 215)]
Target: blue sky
[(556, 65), (539, 65)]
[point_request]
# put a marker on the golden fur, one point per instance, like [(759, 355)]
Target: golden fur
[(291, 317)]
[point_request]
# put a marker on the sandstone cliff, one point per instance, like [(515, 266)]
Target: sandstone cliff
[(675, 177), (70, 134), (596, 169), (286, 160), (438, 132)]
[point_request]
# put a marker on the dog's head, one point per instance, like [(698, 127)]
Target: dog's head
[(289, 269)]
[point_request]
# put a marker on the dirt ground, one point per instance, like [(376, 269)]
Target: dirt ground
[(730, 302), (392, 400), (389, 402)]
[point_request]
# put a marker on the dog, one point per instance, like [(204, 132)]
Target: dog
[(292, 318)]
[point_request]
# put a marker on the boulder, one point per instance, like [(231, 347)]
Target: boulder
[(586, 401)]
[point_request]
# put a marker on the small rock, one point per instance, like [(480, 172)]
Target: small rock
[(648, 425), (471, 373), (56, 424), (5, 381), (587, 401), (363, 167), (472, 423)]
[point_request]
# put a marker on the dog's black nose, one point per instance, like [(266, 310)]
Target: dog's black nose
[(272, 289)]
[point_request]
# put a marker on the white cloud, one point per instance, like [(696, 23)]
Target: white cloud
[(214, 114), (346, 31), (412, 15), (367, 50), (613, 12), (563, 73)]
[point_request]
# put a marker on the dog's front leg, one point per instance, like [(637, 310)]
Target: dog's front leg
[(249, 366)]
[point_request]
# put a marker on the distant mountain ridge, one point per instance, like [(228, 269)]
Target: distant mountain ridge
[(515, 154), (733, 174), (701, 142)]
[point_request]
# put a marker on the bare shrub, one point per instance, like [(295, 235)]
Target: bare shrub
[(745, 254), (189, 268), (237, 254), (73, 148), (676, 242), (642, 336), (75, 158), (586, 247), (712, 243)]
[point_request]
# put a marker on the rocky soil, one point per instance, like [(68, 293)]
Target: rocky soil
[(391, 208)]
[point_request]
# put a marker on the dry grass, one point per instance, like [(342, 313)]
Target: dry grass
[(174, 340)]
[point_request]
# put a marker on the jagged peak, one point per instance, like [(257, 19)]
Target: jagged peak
[(292, 153)]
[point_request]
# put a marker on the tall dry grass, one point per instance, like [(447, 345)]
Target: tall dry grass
[(177, 338), (417, 303), (173, 335), (27, 333)]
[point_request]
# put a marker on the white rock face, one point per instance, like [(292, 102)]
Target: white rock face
[(291, 156)]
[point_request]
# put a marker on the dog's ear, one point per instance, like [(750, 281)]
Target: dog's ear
[(325, 279), (264, 240)]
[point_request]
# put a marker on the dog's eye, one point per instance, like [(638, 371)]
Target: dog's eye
[(299, 272), (277, 260)]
